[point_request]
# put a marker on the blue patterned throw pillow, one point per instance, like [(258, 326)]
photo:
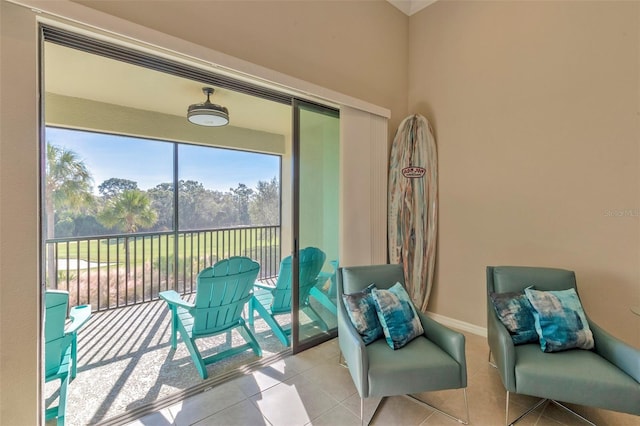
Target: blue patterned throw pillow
[(398, 317), (362, 313), (560, 321), (516, 313)]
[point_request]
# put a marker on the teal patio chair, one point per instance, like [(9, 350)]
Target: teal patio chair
[(61, 345), (222, 292), (272, 301), (325, 289)]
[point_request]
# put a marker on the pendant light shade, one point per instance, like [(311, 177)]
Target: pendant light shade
[(208, 114)]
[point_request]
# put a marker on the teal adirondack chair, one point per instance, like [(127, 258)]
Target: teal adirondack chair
[(326, 296), (271, 301), (222, 292), (61, 345)]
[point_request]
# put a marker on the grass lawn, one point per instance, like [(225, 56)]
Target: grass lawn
[(210, 245)]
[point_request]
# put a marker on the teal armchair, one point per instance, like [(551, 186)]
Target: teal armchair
[(431, 362), (607, 376)]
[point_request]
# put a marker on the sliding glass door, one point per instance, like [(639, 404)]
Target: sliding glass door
[(316, 218), (259, 187)]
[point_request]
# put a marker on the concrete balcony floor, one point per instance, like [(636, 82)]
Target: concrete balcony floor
[(125, 363)]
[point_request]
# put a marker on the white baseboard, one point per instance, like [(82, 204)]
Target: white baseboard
[(460, 325)]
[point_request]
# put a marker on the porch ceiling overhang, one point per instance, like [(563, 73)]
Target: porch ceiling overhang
[(77, 74)]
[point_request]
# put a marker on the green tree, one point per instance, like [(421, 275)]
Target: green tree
[(264, 207), (162, 202), (198, 207), (114, 186), (193, 206), (87, 224), (68, 185), (127, 212), (242, 194), (227, 214)]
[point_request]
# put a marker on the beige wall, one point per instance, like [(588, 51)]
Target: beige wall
[(535, 107), (19, 221)]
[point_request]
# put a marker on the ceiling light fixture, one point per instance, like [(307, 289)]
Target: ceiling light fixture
[(208, 114)]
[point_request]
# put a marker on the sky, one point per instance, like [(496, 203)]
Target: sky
[(150, 162)]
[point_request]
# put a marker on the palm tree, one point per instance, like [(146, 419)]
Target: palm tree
[(68, 186), (126, 212)]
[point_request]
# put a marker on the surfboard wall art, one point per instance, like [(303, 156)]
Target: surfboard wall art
[(413, 205)]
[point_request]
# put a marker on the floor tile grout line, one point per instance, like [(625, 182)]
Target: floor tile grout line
[(486, 375), (202, 387)]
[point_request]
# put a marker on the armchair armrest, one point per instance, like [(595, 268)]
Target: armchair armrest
[(79, 316), (450, 341), (353, 350), (263, 286), (502, 348), (614, 350), (326, 281), (174, 300), (324, 276)]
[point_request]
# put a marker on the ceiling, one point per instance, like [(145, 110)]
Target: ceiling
[(74, 73), (409, 7)]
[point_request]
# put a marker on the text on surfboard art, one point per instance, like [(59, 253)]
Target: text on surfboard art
[(413, 172)]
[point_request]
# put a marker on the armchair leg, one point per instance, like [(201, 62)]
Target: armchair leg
[(466, 405), (564, 407), (538, 404), (521, 416), (419, 401), (493, 364), (362, 422), (374, 412), (342, 361), (461, 421)]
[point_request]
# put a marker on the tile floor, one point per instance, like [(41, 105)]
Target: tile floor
[(311, 388)]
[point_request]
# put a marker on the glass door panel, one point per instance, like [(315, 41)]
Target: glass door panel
[(317, 174)]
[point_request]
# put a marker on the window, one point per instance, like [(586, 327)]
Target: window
[(115, 233)]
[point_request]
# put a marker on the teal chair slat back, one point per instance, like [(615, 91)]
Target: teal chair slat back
[(503, 279), (56, 342), (332, 292), (311, 262), (222, 291), (282, 292)]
